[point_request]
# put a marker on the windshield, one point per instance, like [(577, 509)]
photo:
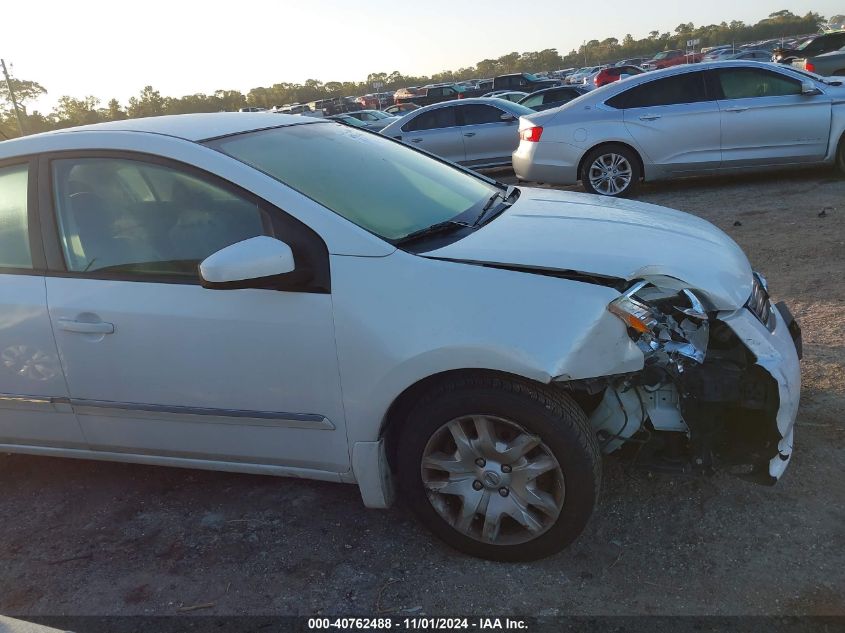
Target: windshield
[(531, 77), (379, 184), (350, 120), (516, 108), (805, 44), (661, 55)]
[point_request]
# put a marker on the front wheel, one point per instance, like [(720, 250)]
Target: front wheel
[(500, 468), (611, 170)]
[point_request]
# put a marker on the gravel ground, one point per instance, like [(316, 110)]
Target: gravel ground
[(90, 538)]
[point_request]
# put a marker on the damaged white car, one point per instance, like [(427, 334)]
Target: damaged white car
[(289, 296)]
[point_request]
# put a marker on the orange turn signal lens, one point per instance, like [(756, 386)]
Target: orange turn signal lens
[(633, 313)]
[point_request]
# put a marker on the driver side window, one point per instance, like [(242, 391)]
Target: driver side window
[(137, 218)]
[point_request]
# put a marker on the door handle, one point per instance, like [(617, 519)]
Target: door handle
[(82, 327), (736, 109), (649, 117), (416, 140), (470, 134)]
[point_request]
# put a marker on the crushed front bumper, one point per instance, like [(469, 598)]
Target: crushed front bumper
[(777, 350)]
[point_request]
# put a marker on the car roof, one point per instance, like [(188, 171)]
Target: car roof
[(504, 104), (610, 90), (191, 127), (467, 101), (708, 65)]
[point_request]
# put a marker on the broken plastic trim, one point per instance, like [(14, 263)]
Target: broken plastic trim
[(668, 325)]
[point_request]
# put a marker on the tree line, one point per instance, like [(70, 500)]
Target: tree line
[(70, 111)]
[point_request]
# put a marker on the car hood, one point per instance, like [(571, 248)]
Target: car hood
[(553, 230)]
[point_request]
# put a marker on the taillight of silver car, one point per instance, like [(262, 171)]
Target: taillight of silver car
[(531, 134)]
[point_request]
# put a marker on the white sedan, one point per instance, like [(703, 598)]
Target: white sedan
[(282, 295)]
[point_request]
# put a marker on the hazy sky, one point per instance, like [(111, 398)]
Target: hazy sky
[(113, 49)]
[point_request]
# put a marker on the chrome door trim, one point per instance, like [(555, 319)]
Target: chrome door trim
[(34, 403), (219, 416), (14, 399), (244, 417)]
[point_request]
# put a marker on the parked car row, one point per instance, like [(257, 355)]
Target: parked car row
[(814, 45), (782, 51), (684, 120), (508, 86)]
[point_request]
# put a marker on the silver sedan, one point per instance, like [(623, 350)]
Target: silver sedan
[(683, 121), (480, 132)]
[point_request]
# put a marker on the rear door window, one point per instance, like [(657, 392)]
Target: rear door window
[(685, 88), (477, 114), (432, 120)]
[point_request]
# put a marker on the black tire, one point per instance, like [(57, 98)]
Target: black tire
[(543, 411), (839, 163), (606, 150)]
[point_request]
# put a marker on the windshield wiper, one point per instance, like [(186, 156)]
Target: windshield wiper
[(440, 227), (503, 195)]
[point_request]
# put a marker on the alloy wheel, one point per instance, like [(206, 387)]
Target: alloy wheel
[(610, 174)]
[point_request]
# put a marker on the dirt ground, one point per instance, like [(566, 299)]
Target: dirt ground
[(90, 538)]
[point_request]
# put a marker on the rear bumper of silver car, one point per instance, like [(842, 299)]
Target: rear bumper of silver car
[(553, 163)]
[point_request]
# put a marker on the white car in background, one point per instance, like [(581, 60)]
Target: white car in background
[(292, 296), (581, 74), (478, 132)]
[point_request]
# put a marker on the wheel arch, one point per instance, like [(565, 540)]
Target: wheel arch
[(397, 412), (628, 146)]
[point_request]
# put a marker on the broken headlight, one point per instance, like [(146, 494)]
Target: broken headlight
[(759, 302), (669, 323)]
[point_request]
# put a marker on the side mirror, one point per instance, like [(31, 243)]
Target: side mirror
[(506, 116), (809, 88), (252, 263)]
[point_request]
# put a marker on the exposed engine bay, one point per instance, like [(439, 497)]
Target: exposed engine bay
[(702, 400)]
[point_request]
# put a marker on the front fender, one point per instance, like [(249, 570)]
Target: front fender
[(394, 331)]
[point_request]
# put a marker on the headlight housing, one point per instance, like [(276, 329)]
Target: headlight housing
[(758, 303), (667, 320)]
